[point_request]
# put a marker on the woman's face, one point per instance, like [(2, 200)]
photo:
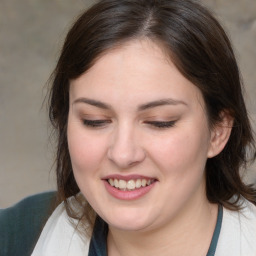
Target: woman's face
[(138, 138)]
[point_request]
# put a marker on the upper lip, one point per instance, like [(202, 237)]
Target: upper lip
[(127, 177)]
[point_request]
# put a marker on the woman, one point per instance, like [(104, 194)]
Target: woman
[(152, 133)]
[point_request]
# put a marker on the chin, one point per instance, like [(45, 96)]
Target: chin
[(128, 226), (129, 220)]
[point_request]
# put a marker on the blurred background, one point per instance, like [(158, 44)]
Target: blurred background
[(31, 35)]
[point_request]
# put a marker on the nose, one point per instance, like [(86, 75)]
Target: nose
[(125, 150)]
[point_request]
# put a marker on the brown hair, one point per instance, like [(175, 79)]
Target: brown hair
[(202, 52)]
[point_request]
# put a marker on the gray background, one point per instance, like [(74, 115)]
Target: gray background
[(31, 34)]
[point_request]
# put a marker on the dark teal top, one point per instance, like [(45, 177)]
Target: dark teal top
[(98, 244), (21, 224)]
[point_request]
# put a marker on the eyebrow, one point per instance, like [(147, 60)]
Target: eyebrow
[(92, 102), (161, 102), (153, 104)]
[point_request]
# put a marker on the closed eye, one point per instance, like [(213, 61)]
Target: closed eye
[(161, 124), (95, 123)]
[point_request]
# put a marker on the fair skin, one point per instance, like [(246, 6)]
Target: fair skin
[(133, 117)]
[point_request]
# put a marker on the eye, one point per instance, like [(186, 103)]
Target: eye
[(95, 123), (161, 124)]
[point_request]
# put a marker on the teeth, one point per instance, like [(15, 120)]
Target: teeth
[(116, 183), (130, 184), (138, 183), (143, 183), (122, 184), (111, 182)]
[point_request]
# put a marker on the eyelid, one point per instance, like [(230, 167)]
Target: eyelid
[(96, 123), (161, 124)]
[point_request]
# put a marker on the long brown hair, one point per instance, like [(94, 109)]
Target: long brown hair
[(200, 49)]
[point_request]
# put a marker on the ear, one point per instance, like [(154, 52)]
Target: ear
[(220, 134)]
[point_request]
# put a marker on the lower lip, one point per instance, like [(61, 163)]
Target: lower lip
[(128, 195)]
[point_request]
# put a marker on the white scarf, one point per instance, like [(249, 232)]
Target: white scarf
[(237, 235), (60, 238), (238, 232)]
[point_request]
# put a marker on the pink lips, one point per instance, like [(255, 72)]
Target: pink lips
[(127, 194)]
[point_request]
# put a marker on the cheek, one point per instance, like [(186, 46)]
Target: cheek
[(86, 152), (181, 152)]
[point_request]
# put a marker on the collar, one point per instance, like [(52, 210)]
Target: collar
[(98, 244)]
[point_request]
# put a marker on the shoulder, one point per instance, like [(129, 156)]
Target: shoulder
[(21, 224), (60, 236), (238, 231)]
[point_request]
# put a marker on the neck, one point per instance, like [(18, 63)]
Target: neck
[(187, 234)]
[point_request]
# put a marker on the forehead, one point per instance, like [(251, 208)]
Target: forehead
[(138, 69)]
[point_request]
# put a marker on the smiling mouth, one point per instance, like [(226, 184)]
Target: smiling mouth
[(130, 185)]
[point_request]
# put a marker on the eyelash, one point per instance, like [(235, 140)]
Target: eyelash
[(156, 124), (95, 123), (161, 124)]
